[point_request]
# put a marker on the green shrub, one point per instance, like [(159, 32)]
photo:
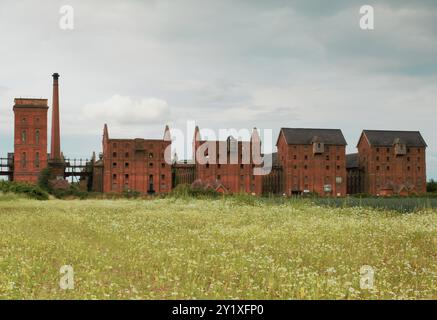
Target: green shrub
[(131, 194), (185, 191), (245, 199), (31, 191), (431, 186)]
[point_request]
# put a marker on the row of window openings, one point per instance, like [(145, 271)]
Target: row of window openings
[(126, 155), (24, 136), (306, 157), (338, 180), (388, 159), (126, 177), (24, 160), (326, 167), (23, 120), (408, 150), (319, 145), (218, 177), (219, 166), (388, 168), (127, 145), (390, 179), (126, 165)]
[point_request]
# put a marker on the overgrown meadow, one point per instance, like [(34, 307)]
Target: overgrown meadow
[(213, 249)]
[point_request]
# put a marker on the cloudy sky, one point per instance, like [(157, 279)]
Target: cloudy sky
[(138, 65)]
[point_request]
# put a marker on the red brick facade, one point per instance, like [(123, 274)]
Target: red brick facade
[(307, 160), (392, 162), (137, 164), (311, 163), (229, 163), (30, 139)]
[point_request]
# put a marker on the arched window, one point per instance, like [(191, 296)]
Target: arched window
[(37, 160), (23, 160), (151, 186), (23, 136), (37, 137)]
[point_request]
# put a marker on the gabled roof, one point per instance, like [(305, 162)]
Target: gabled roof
[(308, 136), (352, 161), (386, 138)]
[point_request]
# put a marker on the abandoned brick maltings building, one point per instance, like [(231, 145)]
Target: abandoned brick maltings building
[(306, 161)]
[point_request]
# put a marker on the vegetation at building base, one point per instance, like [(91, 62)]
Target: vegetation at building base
[(431, 186), (72, 191), (27, 190), (194, 248)]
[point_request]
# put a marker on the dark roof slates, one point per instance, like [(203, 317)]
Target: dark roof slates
[(386, 138), (307, 135)]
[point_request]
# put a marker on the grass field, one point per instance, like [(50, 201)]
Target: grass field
[(217, 249)]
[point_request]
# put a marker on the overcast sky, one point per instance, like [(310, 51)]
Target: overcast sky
[(138, 65)]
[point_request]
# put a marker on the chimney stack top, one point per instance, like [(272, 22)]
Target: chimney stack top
[(55, 76)]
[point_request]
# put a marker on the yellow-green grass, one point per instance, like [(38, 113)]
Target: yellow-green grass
[(213, 249)]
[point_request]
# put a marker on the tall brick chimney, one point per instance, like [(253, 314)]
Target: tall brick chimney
[(55, 147)]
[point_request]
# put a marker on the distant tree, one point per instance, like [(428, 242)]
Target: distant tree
[(431, 186)]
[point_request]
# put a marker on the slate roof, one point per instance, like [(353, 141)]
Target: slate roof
[(386, 138), (307, 136), (352, 160)]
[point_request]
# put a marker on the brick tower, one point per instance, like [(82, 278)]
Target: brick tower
[(30, 139), (56, 162)]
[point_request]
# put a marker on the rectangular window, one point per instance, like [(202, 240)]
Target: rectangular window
[(23, 160), (37, 136), (37, 160)]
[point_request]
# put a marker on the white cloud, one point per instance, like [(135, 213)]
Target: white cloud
[(127, 110)]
